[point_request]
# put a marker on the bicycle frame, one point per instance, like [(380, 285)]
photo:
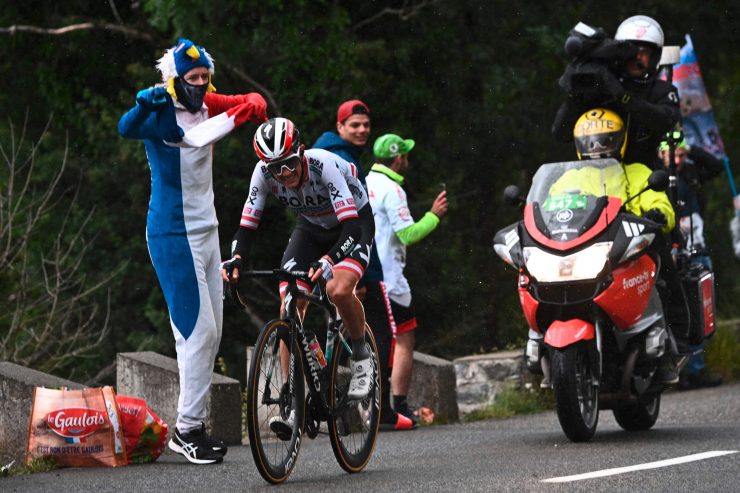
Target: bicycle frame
[(315, 375)]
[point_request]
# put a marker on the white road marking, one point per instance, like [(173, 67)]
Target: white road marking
[(640, 467)]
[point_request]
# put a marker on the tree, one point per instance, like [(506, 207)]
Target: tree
[(48, 320)]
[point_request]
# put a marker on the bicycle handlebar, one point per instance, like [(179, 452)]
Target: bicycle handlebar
[(281, 274)]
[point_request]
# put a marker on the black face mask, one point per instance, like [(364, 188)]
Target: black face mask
[(189, 95)]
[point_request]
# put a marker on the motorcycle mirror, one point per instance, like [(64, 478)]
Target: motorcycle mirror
[(513, 195), (658, 180)]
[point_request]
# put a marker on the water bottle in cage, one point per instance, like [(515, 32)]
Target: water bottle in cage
[(315, 348)]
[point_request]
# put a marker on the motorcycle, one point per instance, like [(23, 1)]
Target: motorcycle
[(589, 290)]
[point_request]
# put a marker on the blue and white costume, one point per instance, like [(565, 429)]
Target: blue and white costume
[(182, 229)]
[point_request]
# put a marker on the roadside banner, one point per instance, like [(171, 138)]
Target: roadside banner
[(699, 125)]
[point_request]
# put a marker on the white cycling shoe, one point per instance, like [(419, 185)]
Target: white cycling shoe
[(283, 428), (359, 386)]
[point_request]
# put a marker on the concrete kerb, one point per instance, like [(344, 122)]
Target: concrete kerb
[(16, 399), (433, 385), (155, 378)]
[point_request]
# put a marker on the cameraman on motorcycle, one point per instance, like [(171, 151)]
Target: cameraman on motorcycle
[(601, 133), (620, 75)]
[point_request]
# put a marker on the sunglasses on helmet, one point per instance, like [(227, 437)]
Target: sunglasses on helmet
[(289, 164)]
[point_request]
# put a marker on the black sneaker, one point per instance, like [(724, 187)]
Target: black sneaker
[(195, 446), (217, 445)]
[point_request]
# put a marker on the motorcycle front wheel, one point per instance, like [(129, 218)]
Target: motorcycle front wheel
[(576, 393)]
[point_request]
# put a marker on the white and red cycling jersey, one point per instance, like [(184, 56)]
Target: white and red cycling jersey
[(330, 191)]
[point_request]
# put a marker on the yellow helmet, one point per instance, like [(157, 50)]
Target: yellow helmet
[(600, 133)]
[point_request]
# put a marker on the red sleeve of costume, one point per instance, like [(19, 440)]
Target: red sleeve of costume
[(218, 103)]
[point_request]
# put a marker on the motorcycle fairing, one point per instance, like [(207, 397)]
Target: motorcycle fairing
[(562, 333), (653, 315), (608, 214), (626, 298), (529, 306), (507, 244)]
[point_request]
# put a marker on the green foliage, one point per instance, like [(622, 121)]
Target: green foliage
[(513, 401), (723, 356)]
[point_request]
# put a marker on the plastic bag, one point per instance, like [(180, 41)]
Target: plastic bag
[(76, 428), (144, 432)]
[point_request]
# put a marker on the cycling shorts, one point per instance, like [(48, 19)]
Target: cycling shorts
[(309, 242)]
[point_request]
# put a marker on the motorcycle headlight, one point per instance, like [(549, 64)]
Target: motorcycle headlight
[(637, 245), (586, 264)]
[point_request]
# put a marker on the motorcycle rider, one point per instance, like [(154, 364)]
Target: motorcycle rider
[(600, 133), (647, 103)]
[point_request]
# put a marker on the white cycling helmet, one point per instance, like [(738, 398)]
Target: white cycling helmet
[(643, 29), (277, 139)]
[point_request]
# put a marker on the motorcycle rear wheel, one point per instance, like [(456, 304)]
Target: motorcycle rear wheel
[(638, 416), (576, 395)]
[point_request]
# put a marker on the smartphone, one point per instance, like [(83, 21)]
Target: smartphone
[(442, 187)]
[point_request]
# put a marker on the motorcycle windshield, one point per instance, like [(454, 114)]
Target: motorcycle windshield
[(569, 197)]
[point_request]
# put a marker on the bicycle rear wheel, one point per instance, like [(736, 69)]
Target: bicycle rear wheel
[(353, 425), (274, 439)]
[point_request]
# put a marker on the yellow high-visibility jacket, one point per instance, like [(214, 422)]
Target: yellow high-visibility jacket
[(617, 181)]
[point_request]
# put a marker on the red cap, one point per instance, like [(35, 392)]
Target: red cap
[(351, 107)]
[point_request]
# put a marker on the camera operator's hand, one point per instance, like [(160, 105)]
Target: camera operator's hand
[(611, 84)]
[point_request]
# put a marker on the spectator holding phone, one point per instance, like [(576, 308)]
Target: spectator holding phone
[(395, 229)]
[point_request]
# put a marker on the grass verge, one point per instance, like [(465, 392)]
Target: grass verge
[(722, 355), (513, 401), (36, 465)]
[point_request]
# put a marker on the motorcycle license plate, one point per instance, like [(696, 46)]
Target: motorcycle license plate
[(570, 201)]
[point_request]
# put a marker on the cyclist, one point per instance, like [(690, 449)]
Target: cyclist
[(333, 234)]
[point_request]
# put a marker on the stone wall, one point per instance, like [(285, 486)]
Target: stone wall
[(16, 399), (481, 377)]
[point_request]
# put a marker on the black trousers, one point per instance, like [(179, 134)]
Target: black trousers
[(379, 318)]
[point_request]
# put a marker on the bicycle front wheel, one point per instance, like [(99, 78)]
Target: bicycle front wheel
[(353, 425), (275, 415)]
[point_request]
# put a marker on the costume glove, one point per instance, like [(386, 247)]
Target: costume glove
[(151, 98)]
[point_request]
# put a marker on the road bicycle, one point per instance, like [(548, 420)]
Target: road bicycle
[(283, 366)]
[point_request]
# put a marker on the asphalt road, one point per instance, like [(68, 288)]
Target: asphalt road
[(518, 454)]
